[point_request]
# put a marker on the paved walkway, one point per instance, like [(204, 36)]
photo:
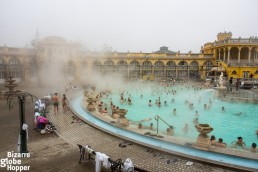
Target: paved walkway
[(145, 158)]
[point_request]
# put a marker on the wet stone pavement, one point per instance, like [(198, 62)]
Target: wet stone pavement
[(77, 132)]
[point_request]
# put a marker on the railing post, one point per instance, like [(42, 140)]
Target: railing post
[(157, 126)]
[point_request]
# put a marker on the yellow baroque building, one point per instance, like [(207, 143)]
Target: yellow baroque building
[(235, 57), (238, 57)]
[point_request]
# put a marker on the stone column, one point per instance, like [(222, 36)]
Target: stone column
[(141, 71), (239, 52), (214, 51), (256, 53), (249, 54), (219, 54), (176, 72), (228, 55), (188, 71), (224, 54)]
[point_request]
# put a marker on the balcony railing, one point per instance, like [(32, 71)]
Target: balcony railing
[(237, 41), (243, 62)]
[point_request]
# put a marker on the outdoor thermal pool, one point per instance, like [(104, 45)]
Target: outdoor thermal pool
[(237, 119), (228, 124)]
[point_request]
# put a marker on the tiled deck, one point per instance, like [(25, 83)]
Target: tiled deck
[(142, 157)]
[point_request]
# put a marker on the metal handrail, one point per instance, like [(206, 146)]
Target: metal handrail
[(157, 117)]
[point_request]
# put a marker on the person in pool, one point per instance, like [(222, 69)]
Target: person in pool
[(239, 142), (253, 148), (220, 143), (185, 128), (238, 113), (149, 103), (174, 111), (213, 140)]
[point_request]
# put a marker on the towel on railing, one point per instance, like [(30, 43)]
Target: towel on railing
[(128, 165), (101, 158), (106, 162)]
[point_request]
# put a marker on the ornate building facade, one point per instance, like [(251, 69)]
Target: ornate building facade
[(236, 57)]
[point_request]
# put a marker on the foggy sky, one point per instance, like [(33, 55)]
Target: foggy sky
[(127, 25)]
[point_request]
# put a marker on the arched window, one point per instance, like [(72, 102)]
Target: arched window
[(109, 66), (122, 68), (134, 65), (158, 65), (208, 65), (171, 65), (194, 70), (146, 65), (182, 65)]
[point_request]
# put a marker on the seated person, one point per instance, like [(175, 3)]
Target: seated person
[(170, 130), (41, 122), (100, 110), (239, 142), (105, 110), (213, 140), (253, 148), (220, 143), (100, 104)]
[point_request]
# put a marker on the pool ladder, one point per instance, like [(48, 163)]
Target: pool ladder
[(157, 117)]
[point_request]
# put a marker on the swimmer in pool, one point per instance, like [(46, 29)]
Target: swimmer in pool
[(174, 111), (149, 103), (238, 113), (239, 142)]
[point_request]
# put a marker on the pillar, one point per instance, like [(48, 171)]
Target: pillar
[(176, 71), (214, 53), (239, 51), (249, 54), (188, 71), (219, 54), (228, 60), (224, 54)]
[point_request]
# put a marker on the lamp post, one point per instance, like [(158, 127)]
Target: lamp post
[(21, 97)]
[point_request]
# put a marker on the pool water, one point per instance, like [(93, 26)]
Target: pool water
[(231, 160), (238, 119)]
